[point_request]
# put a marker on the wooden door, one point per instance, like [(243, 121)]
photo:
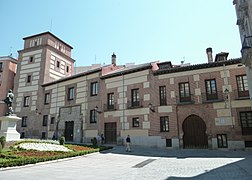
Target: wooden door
[(110, 132), (194, 133), (69, 130)]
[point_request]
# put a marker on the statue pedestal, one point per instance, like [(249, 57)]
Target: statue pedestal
[(8, 127)]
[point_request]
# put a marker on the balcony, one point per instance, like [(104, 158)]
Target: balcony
[(217, 97), (109, 107), (135, 104), (239, 95), (185, 100)]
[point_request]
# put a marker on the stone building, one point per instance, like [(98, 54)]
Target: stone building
[(8, 67), (244, 21), (158, 104)]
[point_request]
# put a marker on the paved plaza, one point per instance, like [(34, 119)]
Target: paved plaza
[(141, 163)]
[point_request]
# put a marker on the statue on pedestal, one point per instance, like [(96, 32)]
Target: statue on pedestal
[(8, 100)]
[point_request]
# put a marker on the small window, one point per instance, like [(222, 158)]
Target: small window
[(242, 85), (246, 122), (24, 121), (111, 101), (135, 98), (58, 64), (162, 95), (67, 69), (135, 122), (1, 67), (248, 143), (168, 143), (164, 124), (52, 120), (222, 140), (70, 93), (94, 88), (28, 78), (47, 98), (43, 135), (184, 92), (31, 59), (45, 119), (93, 116), (211, 89), (26, 101)]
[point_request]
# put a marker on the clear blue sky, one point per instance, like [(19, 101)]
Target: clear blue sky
[(137, 31)]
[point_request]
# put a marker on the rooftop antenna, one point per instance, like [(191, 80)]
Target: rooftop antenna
[(95, 58), (51, 26), (10, 53)]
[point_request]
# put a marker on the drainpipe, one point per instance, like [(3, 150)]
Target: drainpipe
[(123, 104), (177, 124)]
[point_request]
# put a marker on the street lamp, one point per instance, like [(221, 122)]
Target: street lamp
[(151, 107)]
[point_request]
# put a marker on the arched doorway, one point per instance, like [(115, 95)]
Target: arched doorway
[(194, 129)]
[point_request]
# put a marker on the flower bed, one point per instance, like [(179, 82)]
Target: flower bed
[(31, 152)]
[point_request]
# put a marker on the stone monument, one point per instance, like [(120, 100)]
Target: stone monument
[(8, 122)]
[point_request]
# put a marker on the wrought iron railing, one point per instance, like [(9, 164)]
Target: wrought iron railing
[(185, 100), (135, 104), (109, 107)]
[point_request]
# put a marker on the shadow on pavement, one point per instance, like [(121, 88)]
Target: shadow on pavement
[(179, 153), (240, 169)]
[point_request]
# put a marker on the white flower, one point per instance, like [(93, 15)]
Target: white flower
[(44, 147)]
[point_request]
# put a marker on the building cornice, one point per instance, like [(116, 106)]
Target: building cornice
[(43, 33)]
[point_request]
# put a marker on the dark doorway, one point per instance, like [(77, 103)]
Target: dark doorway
[(69, 130), (194, 129), (110, 133)]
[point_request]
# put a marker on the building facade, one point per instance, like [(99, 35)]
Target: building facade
[(8, 67), (244, 21), (158, 104), (45, 58)]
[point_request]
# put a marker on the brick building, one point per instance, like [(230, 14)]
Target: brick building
[(7, 72), (158, 104)]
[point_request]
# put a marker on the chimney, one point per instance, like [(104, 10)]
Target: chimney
[(113, 59), (209, 52)]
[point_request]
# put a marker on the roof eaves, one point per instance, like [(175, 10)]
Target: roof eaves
[(72, 77), (47, 32)]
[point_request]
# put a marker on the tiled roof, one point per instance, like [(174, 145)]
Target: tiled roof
[(73, 76), (127, 70), (197, 66)]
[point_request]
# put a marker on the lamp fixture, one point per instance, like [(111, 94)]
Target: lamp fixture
[(151, 107), (37, 111), (97, 109), (226, 91)]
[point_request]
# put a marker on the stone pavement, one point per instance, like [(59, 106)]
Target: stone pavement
[(141, 163)]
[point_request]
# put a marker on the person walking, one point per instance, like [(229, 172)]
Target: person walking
[(128, 142)]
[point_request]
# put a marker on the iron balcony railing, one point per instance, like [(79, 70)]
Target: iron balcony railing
[(109, 107), (135, 104), (240, 94), (185, 100), (214, 97)]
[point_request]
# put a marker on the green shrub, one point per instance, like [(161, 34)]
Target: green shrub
[(62, 140), (2, 141), (94, 141)]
